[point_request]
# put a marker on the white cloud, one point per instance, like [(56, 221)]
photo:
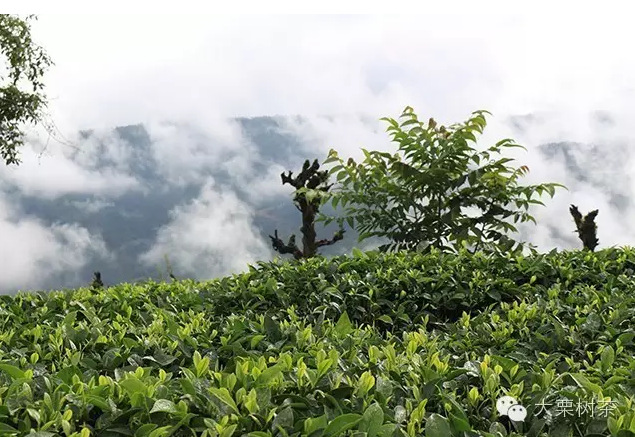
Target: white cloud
[(210, 236), (444, 61), (345, 133), (187, 153), (33, 253), (56, 176), (50, 169)]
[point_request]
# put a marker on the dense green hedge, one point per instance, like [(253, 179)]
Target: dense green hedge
[(376, 344)]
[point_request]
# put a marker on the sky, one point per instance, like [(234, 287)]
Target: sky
[(186, 76)]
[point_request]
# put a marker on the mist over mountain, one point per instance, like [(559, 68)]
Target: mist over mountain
[(182, 176), (130, 199), (129, 224)]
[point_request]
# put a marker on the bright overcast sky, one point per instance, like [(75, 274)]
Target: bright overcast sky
[(563, 59), (114, 69)]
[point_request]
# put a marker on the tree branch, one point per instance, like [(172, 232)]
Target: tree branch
[(282, 248), (585, 227), (339, 235)]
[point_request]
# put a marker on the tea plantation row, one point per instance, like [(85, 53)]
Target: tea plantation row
[(372, 345)]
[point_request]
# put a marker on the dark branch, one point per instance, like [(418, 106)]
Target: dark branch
[(339, 235), (585, 227), (282, 248), (97, 282)]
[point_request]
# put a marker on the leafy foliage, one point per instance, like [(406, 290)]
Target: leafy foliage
[(21, 88), (420, 197), (243, 355)]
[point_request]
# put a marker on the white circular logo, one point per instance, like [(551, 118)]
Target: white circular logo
[(509, 406), (517, 413), (503, 404)]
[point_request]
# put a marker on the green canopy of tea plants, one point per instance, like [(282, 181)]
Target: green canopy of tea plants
[(392, 344)]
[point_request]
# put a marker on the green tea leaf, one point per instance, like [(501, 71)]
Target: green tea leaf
[(163, 406), (132, 386), (341, 424), (272, 329), (13, 371), (313, 424), (343, 326), (224, 396), (372, 420), (584, 382), (437, 426), (270, 373), (229, 431), (607, 357)]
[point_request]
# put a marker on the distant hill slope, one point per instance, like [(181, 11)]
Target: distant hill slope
[(129, 223)]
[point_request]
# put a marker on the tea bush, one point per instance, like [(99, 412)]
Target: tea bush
[(399, 344)]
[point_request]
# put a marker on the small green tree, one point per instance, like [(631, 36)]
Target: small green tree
[(21, 88), (421, 196)]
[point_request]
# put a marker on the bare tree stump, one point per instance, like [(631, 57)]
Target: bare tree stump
[(311, 179), (586, 227)]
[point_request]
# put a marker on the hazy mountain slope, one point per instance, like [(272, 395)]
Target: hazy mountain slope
[(129, 223), (175, 199)]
